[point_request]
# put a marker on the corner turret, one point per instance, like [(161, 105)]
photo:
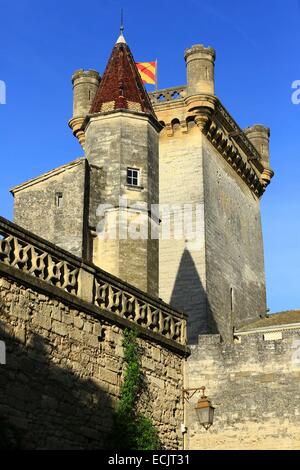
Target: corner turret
[(85, 86), (200, 63)]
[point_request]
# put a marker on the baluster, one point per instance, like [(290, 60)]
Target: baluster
[(128, 306), (69, 278), (166, 327), (102, 295), (38, 264), (54, 271), (161, 322), (172, 328), (115, 300), (6, 249), (154, 319), (20, 255), (141, 312), (177, 332)]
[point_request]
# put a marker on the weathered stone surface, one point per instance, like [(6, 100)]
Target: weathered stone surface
[(52, 206), (236, 291), (219, 280), (73, 364), (66, 383), (254, 388), (114, 143)]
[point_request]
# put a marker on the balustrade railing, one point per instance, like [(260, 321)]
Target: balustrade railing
[(26, 252), (167, 94)]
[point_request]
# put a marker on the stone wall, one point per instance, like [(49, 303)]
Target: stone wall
[(115, 142), (219, 281), (235, 276), (63, 322), (255, 389), (64, 370), (53, 206), (182, 267)]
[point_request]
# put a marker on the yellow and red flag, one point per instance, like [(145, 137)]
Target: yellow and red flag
[(147, 71)]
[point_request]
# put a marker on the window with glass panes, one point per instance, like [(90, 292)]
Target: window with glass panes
[(133, 177)]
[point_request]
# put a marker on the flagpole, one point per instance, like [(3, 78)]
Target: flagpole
[(156, 75), (122, 22)]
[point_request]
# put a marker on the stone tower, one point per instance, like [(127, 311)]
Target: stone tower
[(210, 164), (121, 147), (98, 207), (85, 86)]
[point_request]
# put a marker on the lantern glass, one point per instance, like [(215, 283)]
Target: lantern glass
[(205, 413)]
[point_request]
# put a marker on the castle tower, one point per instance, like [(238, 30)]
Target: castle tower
[(99, 207), (259, 136), (121, 145), (85, 86), (200, 64), (215, 272)]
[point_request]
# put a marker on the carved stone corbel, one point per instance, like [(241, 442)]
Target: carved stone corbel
[(202, 117), (266, 177), (184, 127), (169, 130), (76, 125)]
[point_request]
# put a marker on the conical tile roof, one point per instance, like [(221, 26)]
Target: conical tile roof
[(121, 86)]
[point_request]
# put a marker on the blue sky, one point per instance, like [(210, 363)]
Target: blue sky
[(257, 45)]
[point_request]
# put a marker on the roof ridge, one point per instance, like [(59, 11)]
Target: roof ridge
[(47, 174), (274, 320)]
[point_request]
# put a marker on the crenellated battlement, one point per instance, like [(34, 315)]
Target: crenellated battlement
[(174, 110)]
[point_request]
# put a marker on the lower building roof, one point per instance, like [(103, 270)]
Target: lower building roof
[(276, 320)]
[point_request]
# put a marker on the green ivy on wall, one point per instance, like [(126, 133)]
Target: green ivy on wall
[(132, 430)]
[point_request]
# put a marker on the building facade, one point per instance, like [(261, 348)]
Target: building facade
[(167, 199)]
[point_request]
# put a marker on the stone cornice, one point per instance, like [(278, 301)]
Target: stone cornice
[(48, 175), (268, 329), (230, 152), (162, 99), (220, 128), (236, 133), (122, 113)]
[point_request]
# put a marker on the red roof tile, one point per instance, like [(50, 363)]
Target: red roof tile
[(121, 86)]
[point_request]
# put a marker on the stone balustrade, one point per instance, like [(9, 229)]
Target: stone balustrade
[(168, 94), (18, 253), (48, 263)]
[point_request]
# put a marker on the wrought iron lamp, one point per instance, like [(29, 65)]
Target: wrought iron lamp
[(204, 408)]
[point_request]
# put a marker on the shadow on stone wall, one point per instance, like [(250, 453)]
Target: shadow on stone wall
[(189, 296), (44, 405)]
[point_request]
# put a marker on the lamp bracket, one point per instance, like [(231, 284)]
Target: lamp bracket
[(188, 393)]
